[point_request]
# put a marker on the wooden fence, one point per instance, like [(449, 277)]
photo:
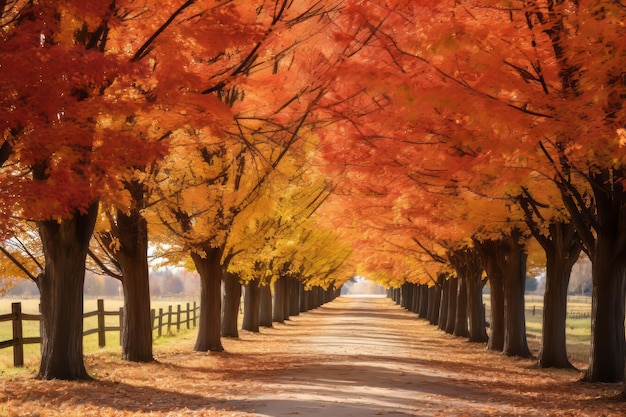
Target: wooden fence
[(164, 319)]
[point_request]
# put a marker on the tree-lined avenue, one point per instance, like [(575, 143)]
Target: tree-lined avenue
[(355, 356), (283, 147)]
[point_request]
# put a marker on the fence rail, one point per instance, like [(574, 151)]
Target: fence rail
[(187, 316)]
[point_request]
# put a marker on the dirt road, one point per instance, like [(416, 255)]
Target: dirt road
[(351, 357), (368, 357)]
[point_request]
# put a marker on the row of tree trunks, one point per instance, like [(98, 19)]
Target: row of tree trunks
[(290, 299), (460, 306), (470, 321), (458, 299), (505, 263)]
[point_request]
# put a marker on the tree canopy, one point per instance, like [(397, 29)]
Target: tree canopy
[(394, 139)]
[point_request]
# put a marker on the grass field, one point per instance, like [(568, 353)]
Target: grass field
[(32, 355), (578, 331)]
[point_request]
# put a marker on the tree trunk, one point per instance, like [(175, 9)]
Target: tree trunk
[(423, 296), (415, 298), (469, 268), (315, 297), (476, 309), (265, 310), (562, 251), (606, 361), (286, 297), (231, 305), (460, 323), (515, 343), (210, 270), (251, 306), (434, 299), (491, 251), (132, 231), (443, 307), (405, 300), (294, 297), (278, 313), (65, 246), (477, 329), (303, 299), (452, 297)]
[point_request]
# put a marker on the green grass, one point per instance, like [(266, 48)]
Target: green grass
[(578, 331), (32, 354)]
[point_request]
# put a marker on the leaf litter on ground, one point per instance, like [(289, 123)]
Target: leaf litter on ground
[(306, 356)]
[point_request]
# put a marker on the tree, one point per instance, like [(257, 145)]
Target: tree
[(60, 91), (562, 246), (227, 167)]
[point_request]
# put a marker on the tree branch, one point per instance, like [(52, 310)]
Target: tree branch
[(147, 46), (17, 263)]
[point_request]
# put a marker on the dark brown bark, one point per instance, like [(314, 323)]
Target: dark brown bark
[(460, 323), (303, 299), (294, 297), (452, 298), (278, 312), (265, 309), (491, 251), (443, 307), (286, 297), (608, 347), (476, 309), (423, 297), (439, 298), (397, 295), (316, 299), (434, 300), (209, 268), (231, 305), (312, 297), (65, 246), (471, 266), (515, 343), (405, 299), (251, 306), (414, 295), (562, 248), (131, 230)]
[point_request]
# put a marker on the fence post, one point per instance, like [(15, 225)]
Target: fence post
[(18, 347), (101, 332), (169, 320), (177, 318), (160, 331), (152, 317), (188, 317)]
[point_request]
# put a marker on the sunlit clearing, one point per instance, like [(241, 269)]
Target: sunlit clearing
[(359, 285)]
